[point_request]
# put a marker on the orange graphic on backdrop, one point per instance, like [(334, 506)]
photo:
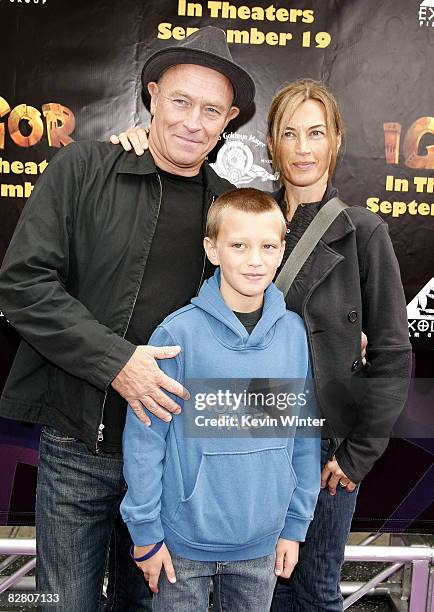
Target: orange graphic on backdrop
[(415, 133), (26, 126), (424, 125)]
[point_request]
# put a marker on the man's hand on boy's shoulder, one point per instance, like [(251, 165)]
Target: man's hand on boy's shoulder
[(151, 568), (142, 384), (286, 557)]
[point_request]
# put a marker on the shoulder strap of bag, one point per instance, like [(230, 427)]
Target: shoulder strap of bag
[(304, 247)]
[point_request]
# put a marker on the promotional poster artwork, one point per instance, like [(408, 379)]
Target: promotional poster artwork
[(71, 71)]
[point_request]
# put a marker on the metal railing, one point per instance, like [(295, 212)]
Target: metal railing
[(419, 558)]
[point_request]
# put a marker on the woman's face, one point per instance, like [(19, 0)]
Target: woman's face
[(305, 151)]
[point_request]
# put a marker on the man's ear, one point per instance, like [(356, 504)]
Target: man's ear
[(153, 92), (211, 251), (233, 112)]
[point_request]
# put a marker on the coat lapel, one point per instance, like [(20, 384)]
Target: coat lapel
[(326, 256), (341, 226)]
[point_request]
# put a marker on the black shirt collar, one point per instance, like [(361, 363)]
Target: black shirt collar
[(330, 192), (132, 164), (305, 213)]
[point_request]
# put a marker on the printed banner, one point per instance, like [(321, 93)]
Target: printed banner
[(71, 71)]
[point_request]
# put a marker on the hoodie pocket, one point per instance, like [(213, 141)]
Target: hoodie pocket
[(238, 498)]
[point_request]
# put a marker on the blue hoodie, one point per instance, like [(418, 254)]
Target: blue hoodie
[(220, 498)]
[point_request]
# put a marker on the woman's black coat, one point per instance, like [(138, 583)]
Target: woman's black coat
[(353, 284)]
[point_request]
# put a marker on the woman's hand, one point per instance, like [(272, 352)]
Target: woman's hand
[(136, 138), (151, 568), (333, 476), (286, 557)]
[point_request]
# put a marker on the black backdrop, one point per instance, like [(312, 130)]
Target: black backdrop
[(70, 70)]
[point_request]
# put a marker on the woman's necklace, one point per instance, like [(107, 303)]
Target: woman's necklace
[(288, 226), (288, 211)]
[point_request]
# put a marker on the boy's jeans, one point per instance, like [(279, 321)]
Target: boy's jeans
[(77, 513), (314, 584), (239, 586)]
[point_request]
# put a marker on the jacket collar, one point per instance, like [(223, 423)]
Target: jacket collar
[(340, 227), (132, 164), (214, 182)]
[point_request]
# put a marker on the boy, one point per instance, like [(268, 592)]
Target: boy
[(233, 509)]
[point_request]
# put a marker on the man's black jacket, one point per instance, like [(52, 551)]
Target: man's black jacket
[(70, 279)]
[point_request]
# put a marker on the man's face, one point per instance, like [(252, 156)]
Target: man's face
[(191, 105), (249, 249)]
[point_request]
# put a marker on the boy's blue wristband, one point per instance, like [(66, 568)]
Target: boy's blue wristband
[(149, 554)]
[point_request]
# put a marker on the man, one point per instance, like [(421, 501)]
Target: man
[(86, 279)]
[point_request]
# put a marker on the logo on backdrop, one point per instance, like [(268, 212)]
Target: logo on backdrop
[(235, 160), (426, 13), (420, 313)]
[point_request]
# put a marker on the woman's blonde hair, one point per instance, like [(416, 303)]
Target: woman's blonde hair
[(284, 105)]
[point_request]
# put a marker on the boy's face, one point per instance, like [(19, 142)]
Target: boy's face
[(249, 249)]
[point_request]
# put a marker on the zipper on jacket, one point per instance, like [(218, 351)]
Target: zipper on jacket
[(100, 436), (204, 257), (202, 275)]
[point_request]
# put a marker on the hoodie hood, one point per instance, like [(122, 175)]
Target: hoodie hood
[(226, 326)]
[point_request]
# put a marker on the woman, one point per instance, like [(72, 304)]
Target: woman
[(349, 284)]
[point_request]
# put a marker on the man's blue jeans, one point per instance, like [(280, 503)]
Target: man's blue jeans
[(239, 586), (77, 515), (314, 584)]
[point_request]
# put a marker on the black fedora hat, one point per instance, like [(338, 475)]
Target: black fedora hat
[(206, 47)]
